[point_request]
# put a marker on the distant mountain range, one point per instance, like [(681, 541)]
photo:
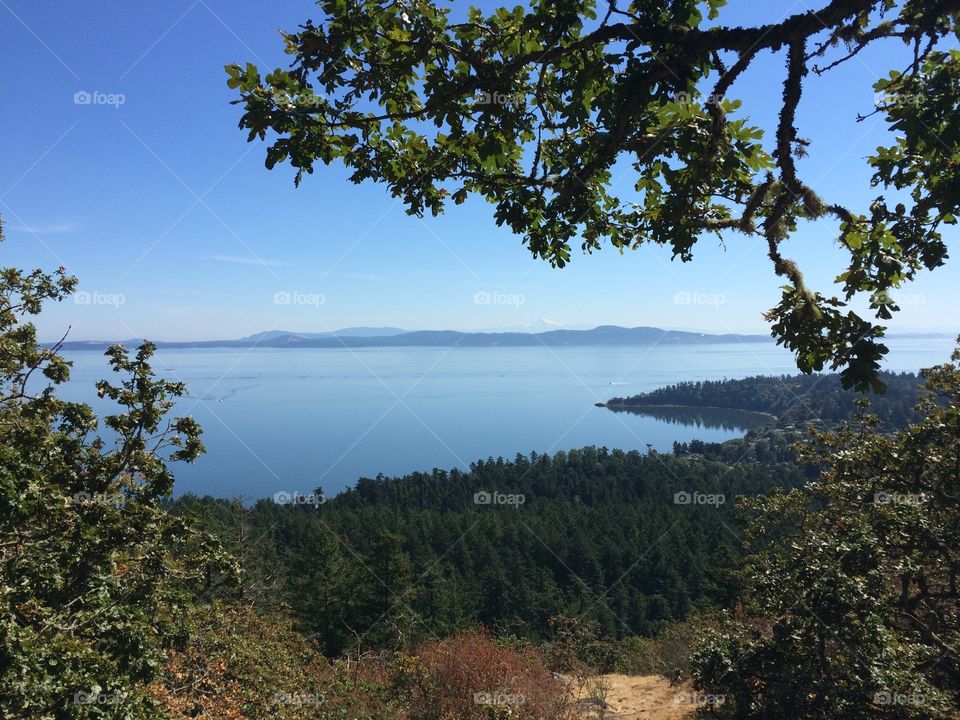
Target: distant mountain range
[(344, 332), (605, 335)]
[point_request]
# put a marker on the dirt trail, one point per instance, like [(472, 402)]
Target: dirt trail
[(638, 697)]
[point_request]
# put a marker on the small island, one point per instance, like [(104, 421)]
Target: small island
[(785, 399)]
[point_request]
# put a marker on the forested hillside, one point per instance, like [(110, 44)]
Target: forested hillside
[(624, 540), (630, 541), (789, 398)]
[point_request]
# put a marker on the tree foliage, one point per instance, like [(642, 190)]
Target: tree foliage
[(92, 570), (534, 108), (852, 580)]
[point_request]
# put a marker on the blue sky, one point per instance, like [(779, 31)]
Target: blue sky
[(177, 231)]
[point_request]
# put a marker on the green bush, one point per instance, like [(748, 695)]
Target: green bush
[(851, 606)]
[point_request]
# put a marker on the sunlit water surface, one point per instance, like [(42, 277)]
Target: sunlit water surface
[(296, 419)]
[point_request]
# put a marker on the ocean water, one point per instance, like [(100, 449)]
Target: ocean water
[(297, 419)]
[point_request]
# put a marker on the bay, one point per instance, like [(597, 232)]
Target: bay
[(293, 420)]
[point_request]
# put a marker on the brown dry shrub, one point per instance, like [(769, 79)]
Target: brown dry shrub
[(239, 666), (469, 676)]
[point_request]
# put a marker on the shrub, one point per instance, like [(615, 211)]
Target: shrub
[(470, 676), (677, 642), (576, 649), (239, 665), (851, 589)]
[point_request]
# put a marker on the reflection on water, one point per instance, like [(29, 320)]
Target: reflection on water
[(703, 417)]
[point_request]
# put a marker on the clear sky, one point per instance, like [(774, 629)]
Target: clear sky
[(177, 231)]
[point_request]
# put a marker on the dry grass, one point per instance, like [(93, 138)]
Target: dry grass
[(634, 697)]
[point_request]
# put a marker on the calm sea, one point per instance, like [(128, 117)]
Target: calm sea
[(296, 419)]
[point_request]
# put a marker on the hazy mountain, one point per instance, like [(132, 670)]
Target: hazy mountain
[(386, 337), (343, 332)]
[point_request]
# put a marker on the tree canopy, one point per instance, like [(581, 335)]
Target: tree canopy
[(531, 108), (93, 572), (850, 602), (586, 542)]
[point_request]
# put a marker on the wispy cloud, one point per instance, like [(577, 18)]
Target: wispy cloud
[(249, 261), (64, 228)]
